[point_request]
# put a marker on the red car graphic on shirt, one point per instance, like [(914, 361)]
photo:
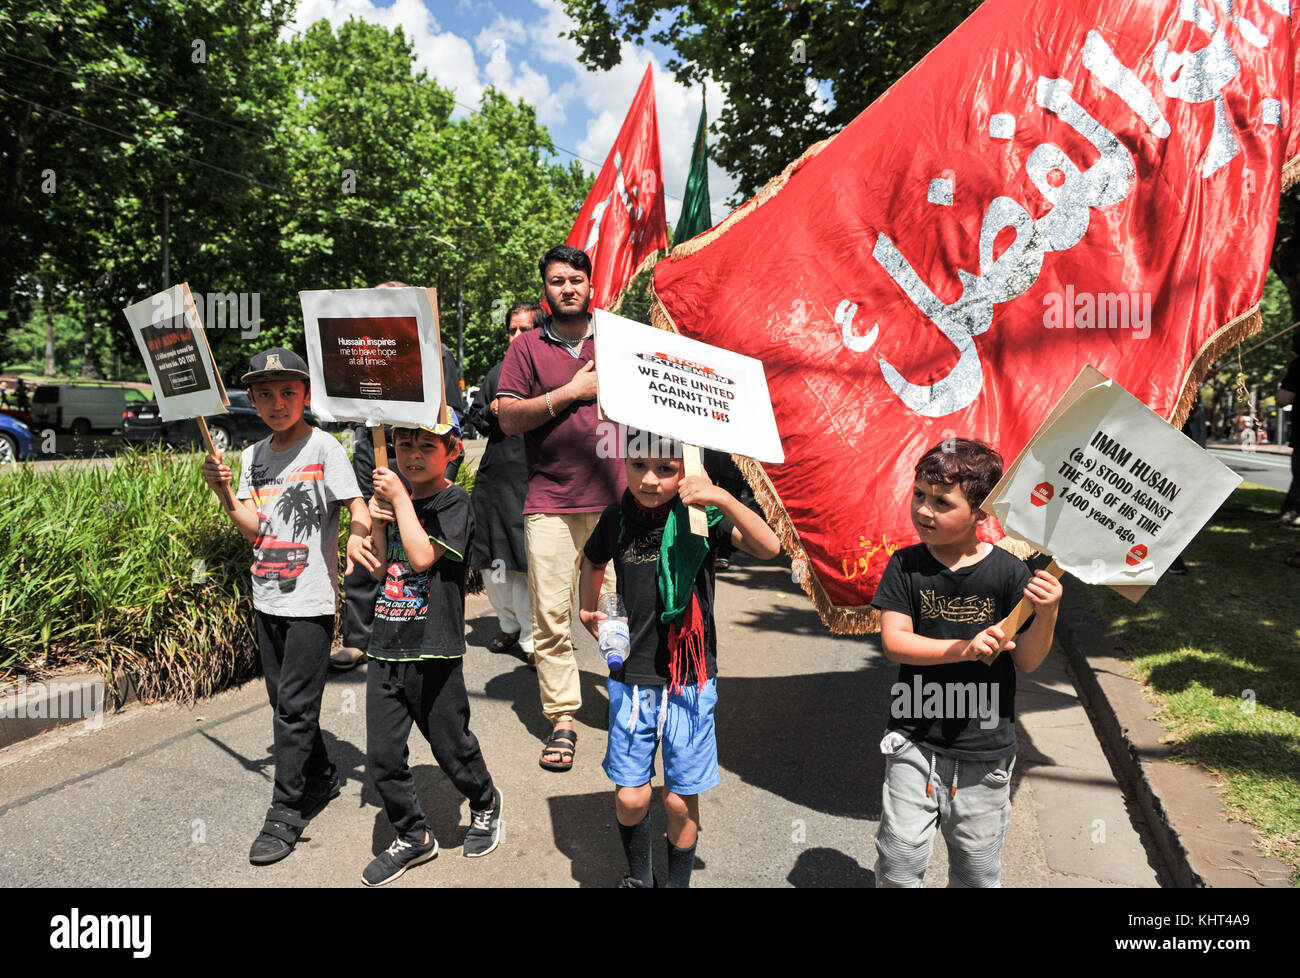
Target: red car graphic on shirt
[(277, 560), (406, 589)]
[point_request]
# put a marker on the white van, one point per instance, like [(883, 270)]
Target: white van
[(78, 409)]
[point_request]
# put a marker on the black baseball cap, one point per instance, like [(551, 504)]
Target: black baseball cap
[(275, 363)]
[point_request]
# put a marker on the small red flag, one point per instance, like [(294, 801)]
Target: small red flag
[(622, 225)]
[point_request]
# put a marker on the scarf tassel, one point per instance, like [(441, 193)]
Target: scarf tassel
[(686, 648)]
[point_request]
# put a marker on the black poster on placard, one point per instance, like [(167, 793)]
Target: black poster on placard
[(377, 358), (175, 356)]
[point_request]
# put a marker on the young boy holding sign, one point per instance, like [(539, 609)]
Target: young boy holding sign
[(416, 646), (950, 744), (666, 691), (296, 478)]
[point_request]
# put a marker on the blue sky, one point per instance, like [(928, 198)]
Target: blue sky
[(516, 45)]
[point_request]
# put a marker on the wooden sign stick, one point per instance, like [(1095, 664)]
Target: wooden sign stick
[(380, 441), (693, 466), (1013, 622), (224, 494)]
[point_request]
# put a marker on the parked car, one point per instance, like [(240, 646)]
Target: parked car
[(78, 408), (16, 440), (141, 425), (18, 414)]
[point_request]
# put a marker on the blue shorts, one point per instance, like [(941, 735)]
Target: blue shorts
[(689, 745)]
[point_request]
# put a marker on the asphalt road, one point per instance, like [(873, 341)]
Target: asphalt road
[(172, 796), (1263, 468)]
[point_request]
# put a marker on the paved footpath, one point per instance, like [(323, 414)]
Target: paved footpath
[(172, 796)]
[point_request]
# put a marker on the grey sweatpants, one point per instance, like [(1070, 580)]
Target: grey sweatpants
[(974, 818)]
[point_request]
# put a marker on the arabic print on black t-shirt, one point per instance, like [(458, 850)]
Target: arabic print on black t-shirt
[(964, 709), (635, 552), (421, 615)]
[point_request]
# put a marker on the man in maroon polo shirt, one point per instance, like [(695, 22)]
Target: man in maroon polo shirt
[(547, 392)]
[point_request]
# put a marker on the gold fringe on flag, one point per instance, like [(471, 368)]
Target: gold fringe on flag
[(647, 262), (1290, 173)]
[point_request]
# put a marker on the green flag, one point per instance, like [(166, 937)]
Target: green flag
[(695, 215)]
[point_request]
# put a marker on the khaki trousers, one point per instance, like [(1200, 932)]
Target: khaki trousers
[(554, 544)]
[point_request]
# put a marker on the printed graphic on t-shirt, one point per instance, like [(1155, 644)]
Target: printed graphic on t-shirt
[(296, 506), (971, 610), (642, 551), (406, 593)]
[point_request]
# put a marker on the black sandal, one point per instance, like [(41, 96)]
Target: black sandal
[(280, 832), (503, 642), (563, 735)]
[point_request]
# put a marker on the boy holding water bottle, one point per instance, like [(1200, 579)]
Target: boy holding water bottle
[(666, 689)]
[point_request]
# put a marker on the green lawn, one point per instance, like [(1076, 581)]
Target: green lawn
[(1219, 652)]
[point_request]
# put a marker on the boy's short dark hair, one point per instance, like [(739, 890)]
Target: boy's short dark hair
[(645, 444), (974, 465), (565, 255), (449, 439)]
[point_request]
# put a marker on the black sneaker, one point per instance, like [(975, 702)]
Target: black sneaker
[(320, 791), (396, 859), (484, 828)]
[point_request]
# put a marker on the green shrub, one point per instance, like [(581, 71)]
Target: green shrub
[(131, 567)]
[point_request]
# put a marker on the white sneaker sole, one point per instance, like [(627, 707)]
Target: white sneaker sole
[(414, 862)]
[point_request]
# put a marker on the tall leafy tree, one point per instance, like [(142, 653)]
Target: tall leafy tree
[(116, 114), (794, 71)]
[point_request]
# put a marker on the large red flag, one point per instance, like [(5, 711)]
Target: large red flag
[(1054, 185), (622, 224)]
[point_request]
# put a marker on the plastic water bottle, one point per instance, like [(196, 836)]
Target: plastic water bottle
[(615, 639)]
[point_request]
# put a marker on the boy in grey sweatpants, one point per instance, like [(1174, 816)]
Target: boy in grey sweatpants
[(951, 740)]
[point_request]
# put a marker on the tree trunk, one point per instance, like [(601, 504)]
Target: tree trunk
[(50, 369), (88, 369)]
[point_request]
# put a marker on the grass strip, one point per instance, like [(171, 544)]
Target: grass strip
[(1219, 653)]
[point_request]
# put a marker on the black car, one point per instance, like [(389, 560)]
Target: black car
[(141, 424)]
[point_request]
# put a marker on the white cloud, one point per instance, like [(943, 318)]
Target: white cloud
[(504, 54), (608, 96), (445, 56), (505, 44)]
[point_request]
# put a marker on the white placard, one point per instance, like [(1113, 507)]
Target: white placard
[(374, 355), (1109, 488), (170, 336), (699, 394)]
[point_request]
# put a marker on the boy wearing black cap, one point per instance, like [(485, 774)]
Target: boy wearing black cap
[(416, 646), (296, 480)]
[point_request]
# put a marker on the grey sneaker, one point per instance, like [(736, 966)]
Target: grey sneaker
[(397, 859), (484, 828)]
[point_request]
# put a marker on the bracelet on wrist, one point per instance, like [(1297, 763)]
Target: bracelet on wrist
[(549, 409)]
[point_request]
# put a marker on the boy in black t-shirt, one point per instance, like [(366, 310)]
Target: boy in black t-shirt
[(952, 725), (416, 646), (667, 688)]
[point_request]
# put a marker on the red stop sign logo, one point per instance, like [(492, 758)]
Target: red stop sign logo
[(1042, 494), (1136, 555)]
